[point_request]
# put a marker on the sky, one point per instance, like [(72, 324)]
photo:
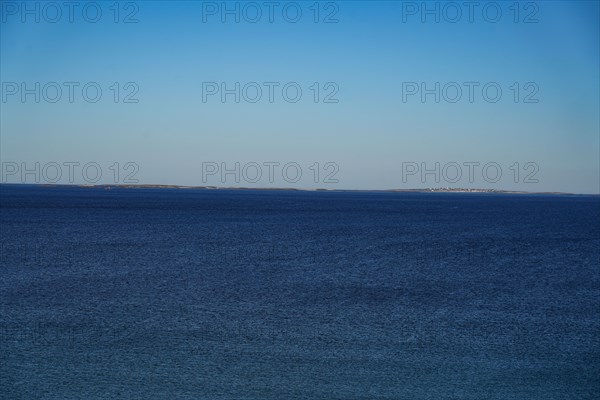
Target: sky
[(336, 95)]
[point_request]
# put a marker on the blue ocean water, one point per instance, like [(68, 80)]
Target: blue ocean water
[(217, 294)]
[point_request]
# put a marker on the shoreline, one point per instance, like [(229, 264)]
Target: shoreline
[(234, 188)]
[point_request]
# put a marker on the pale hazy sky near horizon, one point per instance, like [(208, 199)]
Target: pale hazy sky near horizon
[(368, 57)]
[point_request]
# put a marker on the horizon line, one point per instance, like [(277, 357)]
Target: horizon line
[(108, 186)]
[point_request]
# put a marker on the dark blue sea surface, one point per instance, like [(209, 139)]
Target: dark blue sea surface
[(218, 294)]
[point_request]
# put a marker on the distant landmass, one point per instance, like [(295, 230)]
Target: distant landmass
[(415, 190)]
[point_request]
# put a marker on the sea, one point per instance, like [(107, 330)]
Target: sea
[(139, 293)]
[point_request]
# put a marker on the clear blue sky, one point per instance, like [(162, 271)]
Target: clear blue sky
[(369, 133)]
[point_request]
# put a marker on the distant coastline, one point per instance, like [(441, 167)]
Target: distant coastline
[(414, 190)]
